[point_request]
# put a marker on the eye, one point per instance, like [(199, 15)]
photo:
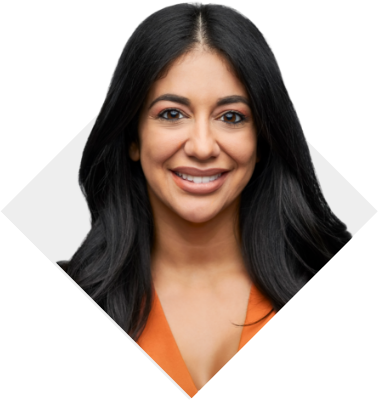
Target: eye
[(232, 117), (171, 115)]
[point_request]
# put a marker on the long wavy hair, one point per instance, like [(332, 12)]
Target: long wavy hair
[(288, 232)]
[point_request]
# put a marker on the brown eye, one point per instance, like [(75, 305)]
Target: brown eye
[(232, 117), (171, 115)]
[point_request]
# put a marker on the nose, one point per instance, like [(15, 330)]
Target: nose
[(202, 143)]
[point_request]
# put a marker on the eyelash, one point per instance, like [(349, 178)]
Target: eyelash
[(175, 120)]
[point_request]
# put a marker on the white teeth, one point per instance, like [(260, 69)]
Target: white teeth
[(198, 179)]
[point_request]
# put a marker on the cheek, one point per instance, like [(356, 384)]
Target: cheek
[(242, 148), (157, 146)]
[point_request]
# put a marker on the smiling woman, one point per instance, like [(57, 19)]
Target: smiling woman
[(207, 217), (197, 137)]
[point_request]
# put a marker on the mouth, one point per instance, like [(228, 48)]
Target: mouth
[(200, 182), (198, 179)]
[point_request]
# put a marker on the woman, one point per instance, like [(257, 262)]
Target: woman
[(207, 217)]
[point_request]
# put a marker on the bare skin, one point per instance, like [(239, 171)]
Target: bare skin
[(197, 266), (203, 287)]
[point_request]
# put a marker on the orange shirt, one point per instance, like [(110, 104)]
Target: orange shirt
[(158, 342)]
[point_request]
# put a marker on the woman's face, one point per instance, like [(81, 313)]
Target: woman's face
[(197, 138)]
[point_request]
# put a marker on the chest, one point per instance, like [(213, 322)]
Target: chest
[(203, 324)]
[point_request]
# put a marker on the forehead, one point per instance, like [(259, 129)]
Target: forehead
[(199, 75)]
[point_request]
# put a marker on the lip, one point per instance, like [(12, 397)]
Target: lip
[(199, 188), (200, 172)]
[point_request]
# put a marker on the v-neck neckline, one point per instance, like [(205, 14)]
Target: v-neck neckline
[(175, 342), (166, 320), (158, 342)]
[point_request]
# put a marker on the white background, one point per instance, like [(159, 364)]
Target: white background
[(52, 213)]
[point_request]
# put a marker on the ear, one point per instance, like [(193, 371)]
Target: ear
[(134, 152)]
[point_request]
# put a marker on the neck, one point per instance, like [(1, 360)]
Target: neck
[(190, 252)]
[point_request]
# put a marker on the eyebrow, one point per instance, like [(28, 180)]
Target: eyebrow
[(185, 101)]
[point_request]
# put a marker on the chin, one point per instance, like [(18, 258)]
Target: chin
[(198, 216)]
